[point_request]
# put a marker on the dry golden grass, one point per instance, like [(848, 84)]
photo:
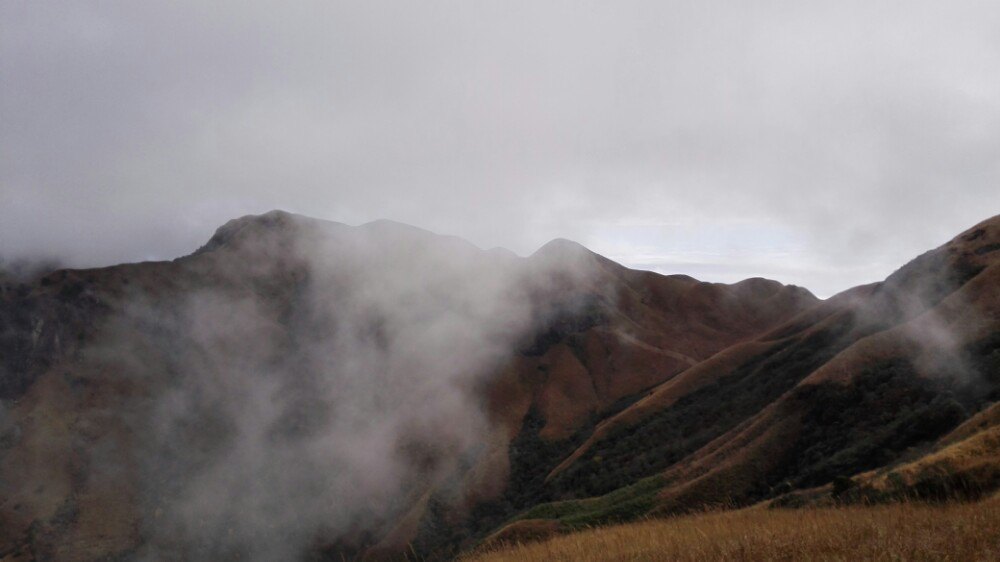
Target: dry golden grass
[(960, 532)]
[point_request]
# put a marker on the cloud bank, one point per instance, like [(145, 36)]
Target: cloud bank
[(841, 139), (307, 382)]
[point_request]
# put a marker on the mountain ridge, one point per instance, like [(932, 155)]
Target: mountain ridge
[(571, 376), (951, 293)]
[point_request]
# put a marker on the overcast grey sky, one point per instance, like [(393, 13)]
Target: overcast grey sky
[(817, 143)]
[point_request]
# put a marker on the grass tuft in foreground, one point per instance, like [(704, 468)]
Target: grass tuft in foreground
[(909, 531)]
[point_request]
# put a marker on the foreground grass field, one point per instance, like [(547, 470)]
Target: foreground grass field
[(960, 532)]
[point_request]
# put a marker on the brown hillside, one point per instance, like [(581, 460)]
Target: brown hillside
[(302, 387), (850, 384), (131, 392)]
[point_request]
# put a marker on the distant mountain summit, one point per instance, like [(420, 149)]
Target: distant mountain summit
[(303, 388)]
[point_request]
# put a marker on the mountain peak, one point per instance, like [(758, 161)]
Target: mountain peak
[(561, 247), (238, 228), (271, 223)]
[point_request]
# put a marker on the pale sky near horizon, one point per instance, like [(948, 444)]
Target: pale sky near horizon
[(818, 143)]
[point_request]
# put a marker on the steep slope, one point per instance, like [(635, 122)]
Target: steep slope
[(580, 369), (304, 386), (849, 385)]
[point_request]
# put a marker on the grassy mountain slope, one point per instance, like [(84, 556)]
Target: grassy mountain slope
[(858, 382), (131, 392)]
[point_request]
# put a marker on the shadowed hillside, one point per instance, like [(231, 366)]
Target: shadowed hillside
[(300, 386), (870, 378)]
